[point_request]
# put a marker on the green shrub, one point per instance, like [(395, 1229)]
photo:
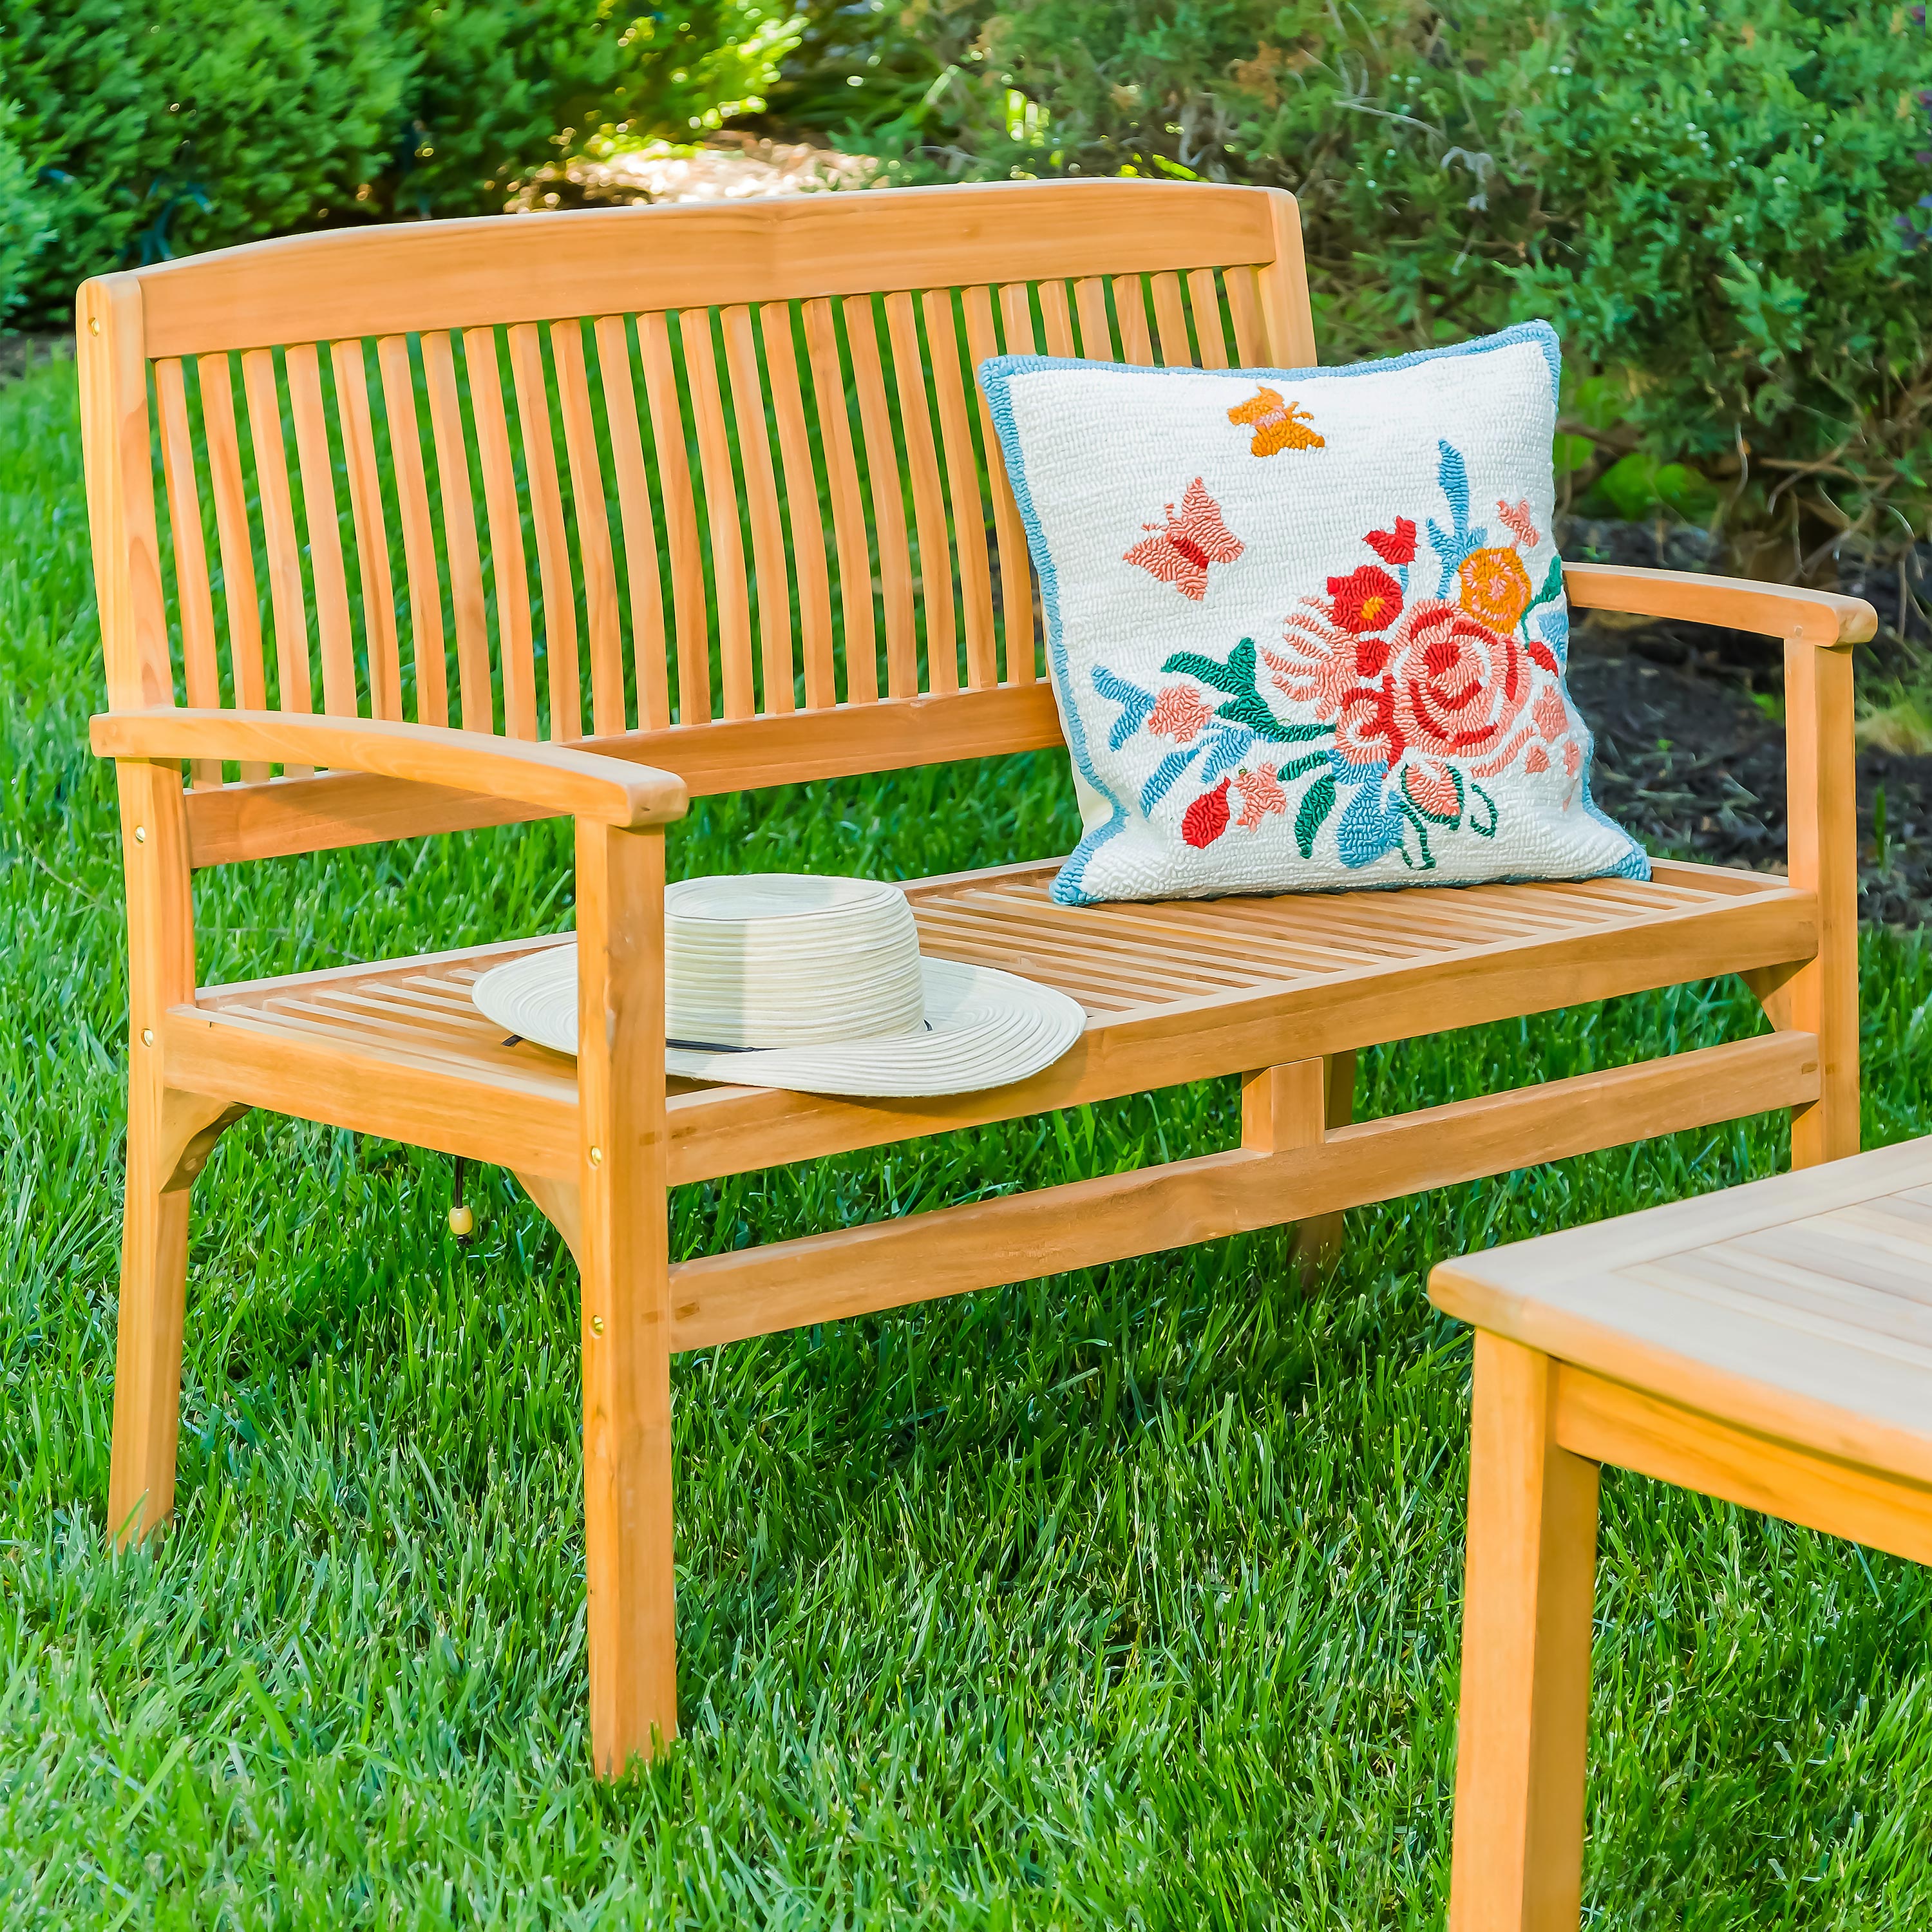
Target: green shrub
[(24, 222), (1706, 199), (154, 127), (506, 85)]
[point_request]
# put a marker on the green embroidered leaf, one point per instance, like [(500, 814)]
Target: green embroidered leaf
[(1223, 676), (1552, 586), (1481, 830), (1251, 709), (1317, 803), (1301, 767)]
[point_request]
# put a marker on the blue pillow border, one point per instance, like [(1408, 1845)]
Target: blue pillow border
[(995, 375)]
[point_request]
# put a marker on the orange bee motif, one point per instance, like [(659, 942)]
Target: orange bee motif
[(1279, 424)]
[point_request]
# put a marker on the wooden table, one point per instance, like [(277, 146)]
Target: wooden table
[(1771, 1346)]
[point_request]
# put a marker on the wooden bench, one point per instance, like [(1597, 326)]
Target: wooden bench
[(772, 542)]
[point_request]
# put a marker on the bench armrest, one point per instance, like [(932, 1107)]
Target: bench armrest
[(581, 784), (1773, 610)]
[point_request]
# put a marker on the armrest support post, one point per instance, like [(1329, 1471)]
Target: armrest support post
[(1822, 997), (624, 1259)]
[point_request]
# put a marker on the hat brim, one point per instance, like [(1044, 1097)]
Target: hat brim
[(983, 1028)]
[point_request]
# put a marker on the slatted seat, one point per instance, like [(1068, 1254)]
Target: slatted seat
[(469, 523)]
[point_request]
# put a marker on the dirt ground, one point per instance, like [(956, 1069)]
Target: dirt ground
[(1690, 755)]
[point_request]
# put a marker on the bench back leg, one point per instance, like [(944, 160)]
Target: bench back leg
[(1517, 1865), (623, 1253)]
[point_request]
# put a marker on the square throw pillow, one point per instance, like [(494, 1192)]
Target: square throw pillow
[(1306, 627)]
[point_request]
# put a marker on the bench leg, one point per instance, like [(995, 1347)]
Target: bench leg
[(1318, 1240), (1821, 997), (624, 1260), (1518, 1861)]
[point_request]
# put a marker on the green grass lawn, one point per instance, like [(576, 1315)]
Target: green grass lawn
[(1128, 1598)]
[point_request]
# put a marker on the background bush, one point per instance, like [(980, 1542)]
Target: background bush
[(166, 126), (1713, 202)]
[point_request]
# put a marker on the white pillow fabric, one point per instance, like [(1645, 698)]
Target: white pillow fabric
[(1306, 627)]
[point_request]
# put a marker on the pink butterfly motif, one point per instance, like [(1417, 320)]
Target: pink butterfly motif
[(1181, 550)]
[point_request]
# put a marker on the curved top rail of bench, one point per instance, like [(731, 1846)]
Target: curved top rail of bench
[(405, 277)]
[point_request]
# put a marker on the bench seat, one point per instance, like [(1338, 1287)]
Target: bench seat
[(1173, 992)]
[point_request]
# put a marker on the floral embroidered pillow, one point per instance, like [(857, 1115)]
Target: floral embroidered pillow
[(1306, 627)]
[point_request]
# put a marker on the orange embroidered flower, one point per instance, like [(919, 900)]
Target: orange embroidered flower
[(1179, 713), (1496, 590), (1368, 599)]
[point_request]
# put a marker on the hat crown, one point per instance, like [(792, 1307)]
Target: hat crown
[(765, 960)]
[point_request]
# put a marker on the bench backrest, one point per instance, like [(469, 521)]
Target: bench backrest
[(714, 482)]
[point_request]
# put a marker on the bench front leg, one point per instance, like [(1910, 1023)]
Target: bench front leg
[(624, 1263), (1822, 996)]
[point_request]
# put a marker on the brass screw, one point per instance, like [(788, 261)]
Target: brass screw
[(140, 834), (147, 1036), (596, 1156), (597, 1324), (94, 325)]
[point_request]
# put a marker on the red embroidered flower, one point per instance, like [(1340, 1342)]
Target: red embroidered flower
[(1397, 546), (1366, 599), (1179, 713), (1181, 550), (1206, 819)]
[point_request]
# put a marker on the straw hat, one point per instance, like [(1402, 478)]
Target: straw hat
[(785, 979)]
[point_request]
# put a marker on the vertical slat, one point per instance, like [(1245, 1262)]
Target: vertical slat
[(1244, 311), (1097, 333), (1057, 317), (1015, 584), (1204, 299), (231, 529), (201, 671), (372, 535), (889, 524), (808, 528), (761, 502), (1016, 319), (687, 560), (559, 590), (928, 501), (1281, 286), (271, 480), (848, 509), (969, 502), (507, 567), (459, 535), (339, 697), (641, 539), (425, 585), (720, 514), (1172, 320), (608, 711), (1130, 315)]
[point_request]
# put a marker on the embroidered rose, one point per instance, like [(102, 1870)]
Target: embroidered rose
[(1179, 713), (1494, 588), (1366, 599), (1261, 794), (1397, 546)]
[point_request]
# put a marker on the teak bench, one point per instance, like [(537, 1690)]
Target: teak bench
[(772, 542)]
